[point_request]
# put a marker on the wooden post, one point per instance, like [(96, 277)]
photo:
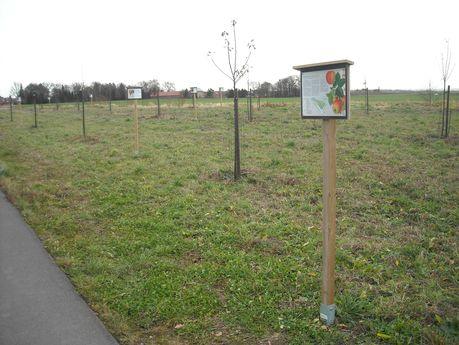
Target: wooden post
[(327, 307), (367, 103), (430, 94), (11, 108), (250, 105), (194, 105), (136, 114), (158, 104), (447, 111), (443, 111), (221, 97), (83, 117), (237, 151), (35, 110)]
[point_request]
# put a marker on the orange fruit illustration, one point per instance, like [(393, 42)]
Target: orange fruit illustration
[(330, 77), (337, 105)]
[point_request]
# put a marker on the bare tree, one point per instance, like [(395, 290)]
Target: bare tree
[(235, 74), (446, 71), (168, 86), (16, 89)]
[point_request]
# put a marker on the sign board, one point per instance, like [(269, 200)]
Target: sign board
[(325, 90), (134, 93), (194, 89)]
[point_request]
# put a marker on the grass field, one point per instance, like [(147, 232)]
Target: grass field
[(167, 249)]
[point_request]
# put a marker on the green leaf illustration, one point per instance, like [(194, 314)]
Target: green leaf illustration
[(337, 79), (330, 97), (339, 92), (319, 103)]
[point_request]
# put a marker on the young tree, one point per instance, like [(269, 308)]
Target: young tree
[(168, 86), (210, 93), (16, 90), (235, 74), (446, 71)]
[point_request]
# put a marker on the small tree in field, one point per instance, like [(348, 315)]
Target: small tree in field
[(235, 73), (16, 90), (446, 71)]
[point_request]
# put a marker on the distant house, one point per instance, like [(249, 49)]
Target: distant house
[(167, 94), (201, 93)]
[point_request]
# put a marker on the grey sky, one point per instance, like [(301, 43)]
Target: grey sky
[(394, 44)]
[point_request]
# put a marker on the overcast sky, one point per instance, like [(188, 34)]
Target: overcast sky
[(394, 44)]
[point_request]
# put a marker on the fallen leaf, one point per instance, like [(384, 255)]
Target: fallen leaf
[(382, 336), (218, 334), (178, 326)]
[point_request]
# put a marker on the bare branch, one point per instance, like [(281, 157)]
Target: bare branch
[(446, 60), (218, 67), (235, 46), (235, 74), (228, 50)]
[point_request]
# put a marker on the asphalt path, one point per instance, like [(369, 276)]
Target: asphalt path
[(38, 304)]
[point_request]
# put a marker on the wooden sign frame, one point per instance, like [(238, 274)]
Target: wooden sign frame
[(133, 92), (326, 66)]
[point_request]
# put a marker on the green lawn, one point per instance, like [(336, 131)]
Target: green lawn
[(167, 249)]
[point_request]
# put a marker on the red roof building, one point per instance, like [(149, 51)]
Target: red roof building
[(167, 94)]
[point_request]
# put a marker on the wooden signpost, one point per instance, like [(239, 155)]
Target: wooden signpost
[(194, 92), (220, 91), (325, 94), (135, 93)]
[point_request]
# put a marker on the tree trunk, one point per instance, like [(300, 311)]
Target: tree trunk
[(447, 114), (443, 110), (237, 157)]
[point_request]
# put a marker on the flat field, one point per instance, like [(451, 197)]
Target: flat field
[(167, 249)]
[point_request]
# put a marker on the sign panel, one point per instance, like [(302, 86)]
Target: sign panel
[(194, 89), (325, 90), (134, 93)]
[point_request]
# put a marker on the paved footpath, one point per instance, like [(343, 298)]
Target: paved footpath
[(38, 304)]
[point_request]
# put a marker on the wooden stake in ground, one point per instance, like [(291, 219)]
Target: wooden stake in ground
[(447, 113), (110, 100), (35, 109), (83, 117), (11, 109), (158, 104), (367, 103), (194, 91), (334, 91), (250, 106), (327, 307), (430, 94), (136, 128)]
